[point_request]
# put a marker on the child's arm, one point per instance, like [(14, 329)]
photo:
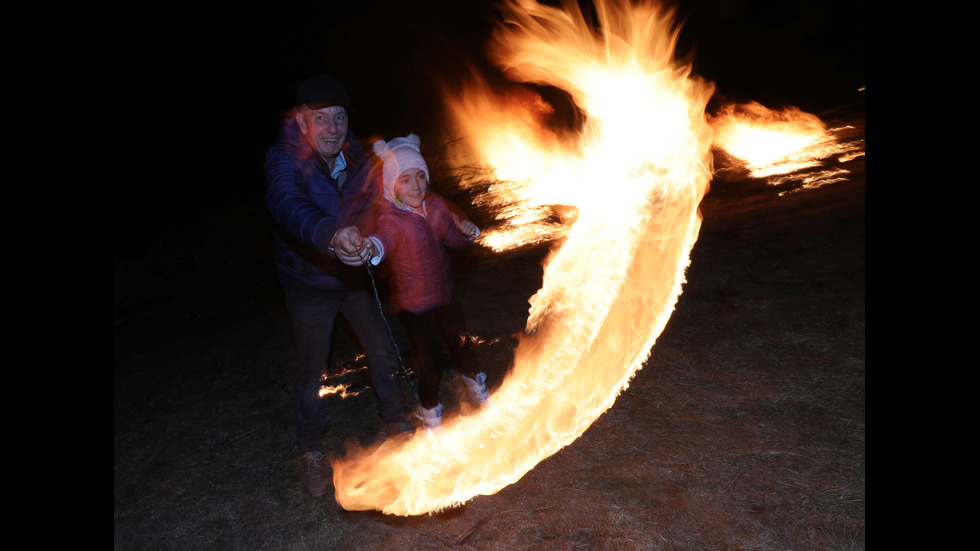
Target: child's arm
[(459, 219), (466, 227)]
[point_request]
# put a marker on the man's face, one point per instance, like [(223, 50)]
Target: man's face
[(325, 129), (411, 186)]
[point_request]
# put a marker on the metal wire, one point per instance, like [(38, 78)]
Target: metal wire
[(377, 297)]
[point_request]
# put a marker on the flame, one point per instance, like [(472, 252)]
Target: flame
[(343, 390), (357, 364), (619, 195), (782, 145)]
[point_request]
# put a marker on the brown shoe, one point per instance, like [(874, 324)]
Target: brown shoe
[(314, 474)]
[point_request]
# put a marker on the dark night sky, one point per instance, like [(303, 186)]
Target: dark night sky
[(212, 83)]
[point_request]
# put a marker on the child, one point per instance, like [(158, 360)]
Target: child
[(413, 230)]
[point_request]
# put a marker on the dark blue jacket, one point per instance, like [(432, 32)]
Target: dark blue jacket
[(308, 207)]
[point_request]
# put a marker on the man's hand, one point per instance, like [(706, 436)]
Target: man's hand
[(350, 247)]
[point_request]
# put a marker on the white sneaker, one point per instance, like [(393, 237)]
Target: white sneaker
[(477, 387), (431, 418)]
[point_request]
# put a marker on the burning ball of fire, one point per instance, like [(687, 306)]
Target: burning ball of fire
[(629, 182)]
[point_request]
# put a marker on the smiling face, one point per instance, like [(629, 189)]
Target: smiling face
[(411, 186), (325, 129)]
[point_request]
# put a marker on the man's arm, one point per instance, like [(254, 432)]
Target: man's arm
[(290, 205)]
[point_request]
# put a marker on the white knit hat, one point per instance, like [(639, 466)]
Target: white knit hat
[(399, 155)]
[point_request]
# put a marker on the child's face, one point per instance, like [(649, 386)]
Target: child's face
[(410, 187)]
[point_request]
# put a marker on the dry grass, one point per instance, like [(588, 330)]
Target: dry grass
[(745, 430)]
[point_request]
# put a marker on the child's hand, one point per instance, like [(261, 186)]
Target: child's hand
[(370, 251), (466, 227)]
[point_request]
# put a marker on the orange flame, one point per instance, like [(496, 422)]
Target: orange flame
[(625, 187), (782, 145), (342, 389)]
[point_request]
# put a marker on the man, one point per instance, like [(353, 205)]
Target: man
[(318, 190)]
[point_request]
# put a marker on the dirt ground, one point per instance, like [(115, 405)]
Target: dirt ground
[(744, 430)]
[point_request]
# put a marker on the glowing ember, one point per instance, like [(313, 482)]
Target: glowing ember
[(622, 191), (343, 390), (775, 144)]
